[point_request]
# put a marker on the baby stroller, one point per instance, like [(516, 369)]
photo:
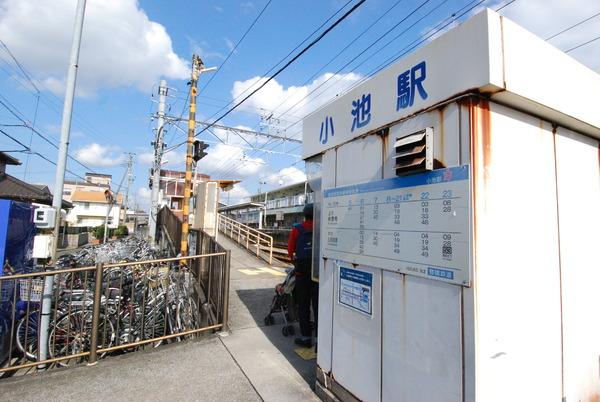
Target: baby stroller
[(283, 302)]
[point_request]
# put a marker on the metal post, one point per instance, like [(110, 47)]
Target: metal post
[(93, 359), (158, 149), (226, 291), (61, 167)]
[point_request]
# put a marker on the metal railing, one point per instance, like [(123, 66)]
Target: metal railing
[(247, 237), (168, 228), (106, 308)]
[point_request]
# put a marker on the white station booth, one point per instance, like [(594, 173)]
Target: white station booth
[(458, 210)]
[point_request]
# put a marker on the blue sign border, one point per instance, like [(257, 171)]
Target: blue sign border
[(432, 177), (362, 277)]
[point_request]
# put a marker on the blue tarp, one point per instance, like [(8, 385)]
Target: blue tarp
[(17, 231)]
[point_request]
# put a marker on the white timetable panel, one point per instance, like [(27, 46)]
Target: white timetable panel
[(417, 225)]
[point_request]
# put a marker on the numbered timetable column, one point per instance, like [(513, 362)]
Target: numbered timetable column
[(415, 224)]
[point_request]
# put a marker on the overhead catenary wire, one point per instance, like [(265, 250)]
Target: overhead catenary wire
[(285, 66), (37, 89), (16, 114), (582, 44), (360, 54), (452, 18), (236, 46), (350, 43), (572, 26), (26, 148), (282, 59)]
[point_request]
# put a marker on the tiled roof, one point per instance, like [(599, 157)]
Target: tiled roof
[(12, 188), (8, 160), (92, 196)]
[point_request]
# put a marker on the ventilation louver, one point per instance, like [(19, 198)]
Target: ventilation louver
[(414, 152)]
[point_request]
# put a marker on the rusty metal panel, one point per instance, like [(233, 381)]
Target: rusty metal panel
[(422, 352), (578, 182), (516, 269)]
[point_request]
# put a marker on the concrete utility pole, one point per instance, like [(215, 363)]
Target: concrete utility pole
[(113, 199), (61, 167), (158, 151), (197, 68), (129, 183)]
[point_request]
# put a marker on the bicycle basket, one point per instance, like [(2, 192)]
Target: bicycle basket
[(7, 291), (31, 289)]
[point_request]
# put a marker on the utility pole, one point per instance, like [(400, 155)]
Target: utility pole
[(129, 182), (113, 199), (61, 167), (158, 150), (197, 68)]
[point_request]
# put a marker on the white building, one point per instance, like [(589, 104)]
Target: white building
[(93, 182), (89, 209)]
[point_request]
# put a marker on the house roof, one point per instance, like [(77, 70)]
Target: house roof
[(86, 183), (98, 175), (12, 188), (93, 196), (8, 160)]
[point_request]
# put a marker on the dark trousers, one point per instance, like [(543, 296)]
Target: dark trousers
[(307, 294)]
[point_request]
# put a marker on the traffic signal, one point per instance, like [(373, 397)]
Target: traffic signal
[(199, 147)]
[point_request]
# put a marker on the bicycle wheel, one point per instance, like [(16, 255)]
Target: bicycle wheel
[(27, 335), (72, 335)]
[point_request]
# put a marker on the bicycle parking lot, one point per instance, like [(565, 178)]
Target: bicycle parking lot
[(109, 299)]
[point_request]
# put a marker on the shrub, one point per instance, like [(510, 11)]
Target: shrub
[(121, 231), (98, 232)]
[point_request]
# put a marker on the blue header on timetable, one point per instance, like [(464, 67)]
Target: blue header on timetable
[(362, 277), (433, 177)]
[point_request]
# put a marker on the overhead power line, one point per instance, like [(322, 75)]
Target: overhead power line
[(335, 76), (282, 60), (26, 148), (573, 26), (286, 65), (16, 113), (582, 44), (51, 100), (212, 77)]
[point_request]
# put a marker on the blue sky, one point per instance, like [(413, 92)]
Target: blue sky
[(129, 46)]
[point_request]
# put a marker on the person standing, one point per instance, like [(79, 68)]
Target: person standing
[(307, 291)]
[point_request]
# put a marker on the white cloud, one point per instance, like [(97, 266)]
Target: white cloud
[(203, 50), (218, 9), (247, 6), (143, 197), (274, 97), (548, 17), (169, 159), (285, 177), (100, 155), (229, 43), (236, 195), (120, 45), (229, 161)]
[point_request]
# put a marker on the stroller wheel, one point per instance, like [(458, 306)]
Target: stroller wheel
[(288, 330)]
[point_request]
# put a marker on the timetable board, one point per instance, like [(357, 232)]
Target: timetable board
[(416, 225)]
